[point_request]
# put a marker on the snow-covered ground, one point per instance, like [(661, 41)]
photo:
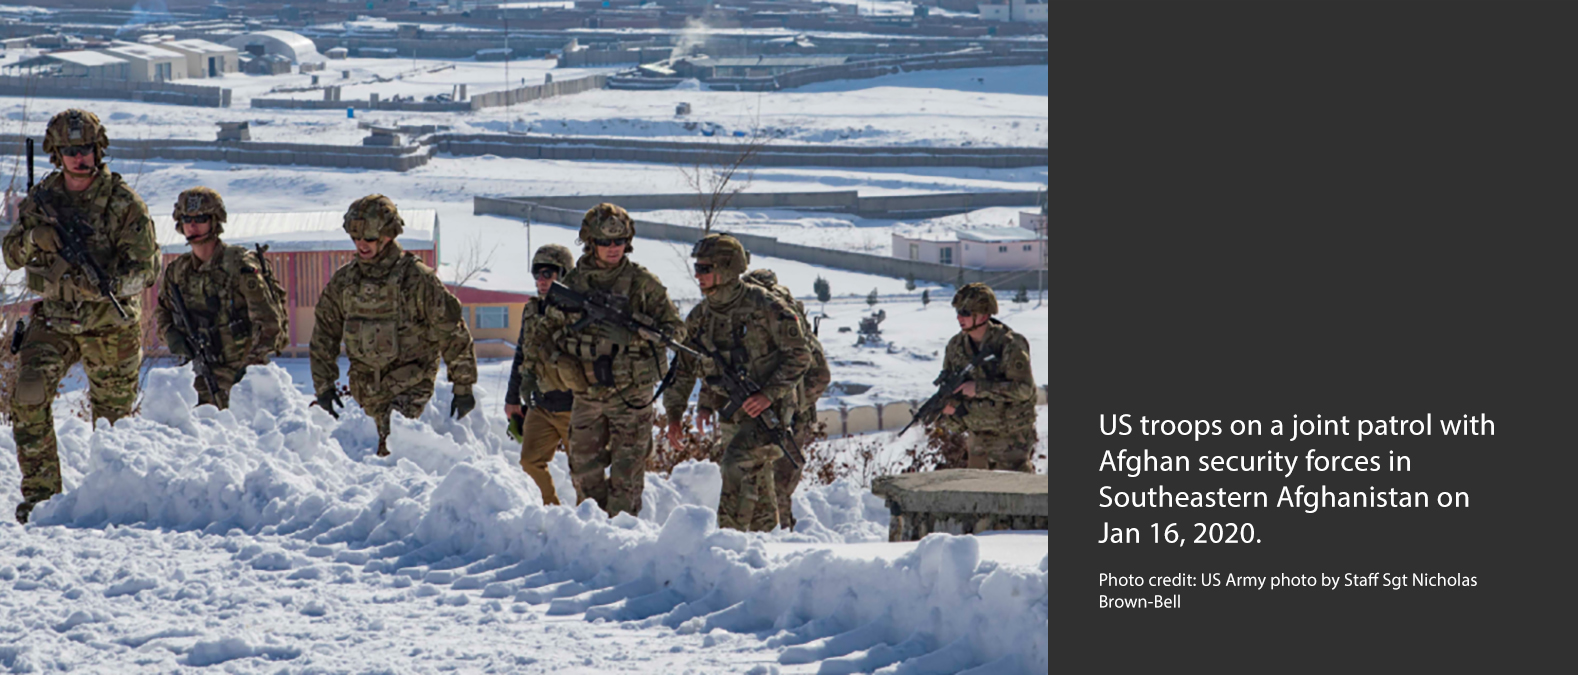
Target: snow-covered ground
[(843, 231), (981, 107), (268, 537)]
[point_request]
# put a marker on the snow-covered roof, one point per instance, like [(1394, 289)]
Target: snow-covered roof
[(301, 231), (293, 46), (997, 234), (201, 46), (81, 58), (144, 52)]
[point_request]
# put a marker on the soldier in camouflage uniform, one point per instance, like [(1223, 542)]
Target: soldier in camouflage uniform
[(786, 476), (225, 294), (396, 319), (759, 332), (536, 382), (74, 321), (611, 370), (996, 409)]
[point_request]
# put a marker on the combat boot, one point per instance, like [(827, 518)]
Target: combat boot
[(23, 510), (383, 447)]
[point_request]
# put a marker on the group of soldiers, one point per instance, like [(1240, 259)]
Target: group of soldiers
[(88, 246)]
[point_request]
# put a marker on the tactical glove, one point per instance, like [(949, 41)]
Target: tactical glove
[(45, 238), (179, 346), (328, 399), (462, 404), (515, 432)]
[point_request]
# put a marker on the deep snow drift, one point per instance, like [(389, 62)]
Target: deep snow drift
[(280, 544)]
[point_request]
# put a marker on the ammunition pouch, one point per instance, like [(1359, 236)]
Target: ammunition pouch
[(603, 370)]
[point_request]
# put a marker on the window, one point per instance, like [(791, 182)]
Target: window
[(945, 255), (1027, 247), (493, 317), (914, 251), (1002, 249)]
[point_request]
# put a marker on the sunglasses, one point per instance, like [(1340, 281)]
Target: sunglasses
[(965, 312), (76, 150), (545, 272), (369, 239), (610, 242), (704, 268), (200, 218)]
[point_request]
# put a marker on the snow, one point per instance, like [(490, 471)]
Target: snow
[(268, 536)]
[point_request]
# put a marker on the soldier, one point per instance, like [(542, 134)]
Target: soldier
[(225, 293), (396, 319), (534, 380), (610, 369), (75, 320), (997, 408), (786, 476), (759, 332)]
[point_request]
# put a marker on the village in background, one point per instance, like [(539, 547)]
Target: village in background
[(876, 154)]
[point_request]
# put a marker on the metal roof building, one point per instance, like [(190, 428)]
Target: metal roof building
[(284, 43), (75, 64)]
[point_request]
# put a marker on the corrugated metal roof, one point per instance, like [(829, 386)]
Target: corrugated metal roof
[(478, 296), (148, 52), (202, 46), (83, 58), (301, 231)]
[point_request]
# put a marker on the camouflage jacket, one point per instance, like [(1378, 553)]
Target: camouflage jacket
[(392, 312), (602, 362), (818, 375), (752, 328), (533, 377), (226, 295), (114, 223), (1005, 389)]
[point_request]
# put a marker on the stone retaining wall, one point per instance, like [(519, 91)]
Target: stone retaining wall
[(98, 88)]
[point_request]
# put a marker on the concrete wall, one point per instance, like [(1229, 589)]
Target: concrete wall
[(886, 417), (771, 247), (489, 100), (877, 68), (495, 99), (97, 88), (691, 152), (849, 201), (251, 152)]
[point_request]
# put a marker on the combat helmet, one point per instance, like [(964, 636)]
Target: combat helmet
[(607, 221), (373, 216), (556, 255), (761, 277), (728, 257), (975, 298), (74, 127), (201, 201)]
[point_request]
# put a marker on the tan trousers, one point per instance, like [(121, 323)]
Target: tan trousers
[(541, 435)]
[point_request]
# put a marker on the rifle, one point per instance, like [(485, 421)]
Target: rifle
[(197, 341), (596, 307), (75, 252), (268, 270), (947, 382)]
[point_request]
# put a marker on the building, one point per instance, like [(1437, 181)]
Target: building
[(494, 318), (292, 46), (204, 58), (149, 63), (97, 65), (1016, 11), (305, 248), (983, 248)]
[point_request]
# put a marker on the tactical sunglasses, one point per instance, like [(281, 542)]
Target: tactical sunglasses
[(76, 150), (545, 271), (199, 218), (369, 239), (704, 268), (965, 312), (610, 242)]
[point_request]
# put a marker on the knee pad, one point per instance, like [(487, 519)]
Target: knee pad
[(31, 388)]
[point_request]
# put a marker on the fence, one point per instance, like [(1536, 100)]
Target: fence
[(251, 152), (770, 246), (883, 417), (100, 88), (704, 153)]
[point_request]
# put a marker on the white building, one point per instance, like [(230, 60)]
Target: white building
[(983, 248), (74, 64), (284, 43), (204, 58), (149, 63)]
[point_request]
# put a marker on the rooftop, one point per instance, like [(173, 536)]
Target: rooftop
[(81, 58), (997, 234), (142, 51), (476, 296), (201, 46)]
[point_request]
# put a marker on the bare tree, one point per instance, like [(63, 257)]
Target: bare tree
[(723, 171), (472, 262)]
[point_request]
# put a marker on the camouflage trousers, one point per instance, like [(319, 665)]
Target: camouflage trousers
[(405, 390), (749, 501), (541, 435), (1010, 451), (786, 476), (111, 359), (227, 377), (613, 436)]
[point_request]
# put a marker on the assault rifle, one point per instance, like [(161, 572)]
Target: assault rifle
[(946, 383), (197, 341), (74, 251), (597, 307), (268, 270)]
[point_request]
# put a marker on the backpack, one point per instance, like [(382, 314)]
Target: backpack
[(276, 294)]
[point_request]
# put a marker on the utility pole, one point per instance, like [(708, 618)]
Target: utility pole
[(507, 55), (1041, 234)]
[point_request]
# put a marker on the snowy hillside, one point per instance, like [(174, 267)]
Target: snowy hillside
[(267, 538)]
